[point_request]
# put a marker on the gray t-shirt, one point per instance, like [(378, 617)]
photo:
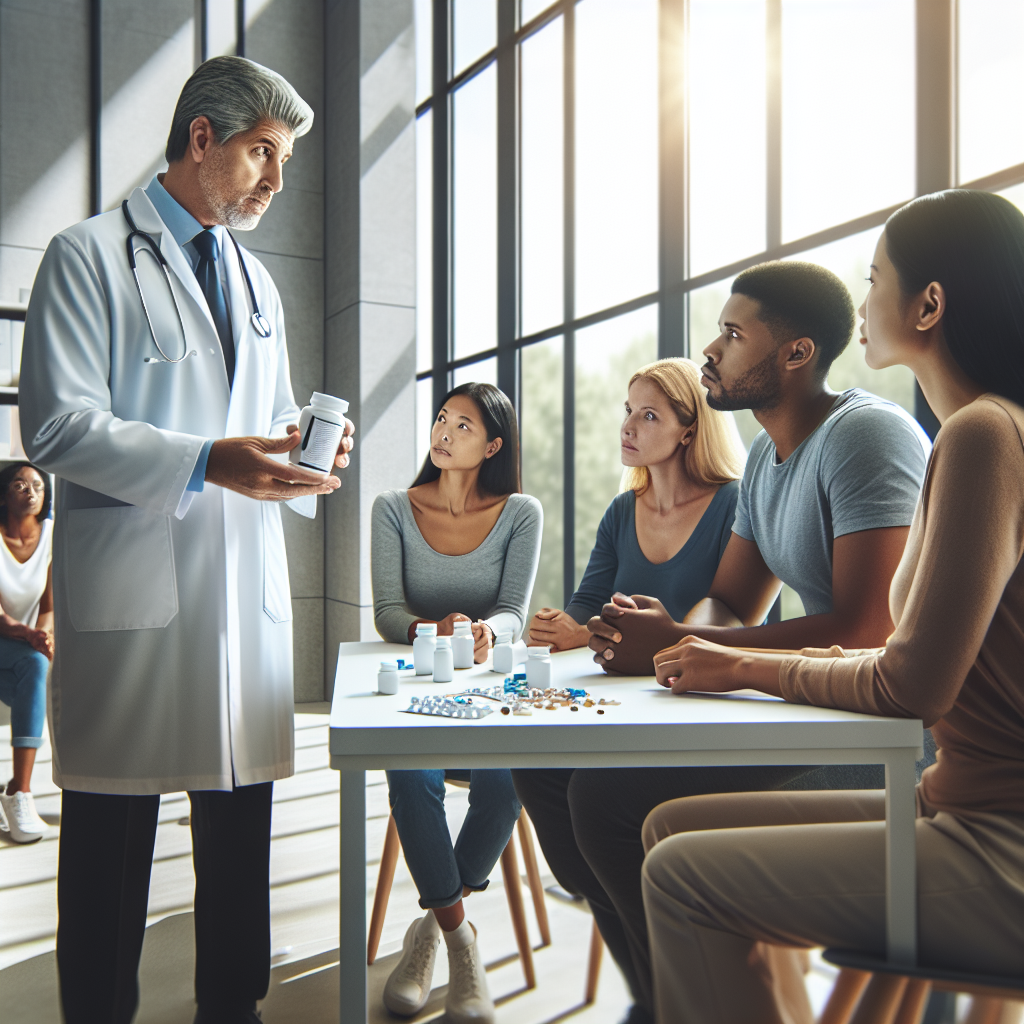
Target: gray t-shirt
[(412, 581), (861, 469)]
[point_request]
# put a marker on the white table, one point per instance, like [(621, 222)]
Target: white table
[(650, 727)]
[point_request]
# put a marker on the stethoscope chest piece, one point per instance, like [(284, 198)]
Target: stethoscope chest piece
[(260, 325)]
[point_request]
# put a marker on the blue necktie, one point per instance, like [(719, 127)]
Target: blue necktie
[(209, 280)]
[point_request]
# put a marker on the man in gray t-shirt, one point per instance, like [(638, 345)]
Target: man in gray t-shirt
[(861, 469)]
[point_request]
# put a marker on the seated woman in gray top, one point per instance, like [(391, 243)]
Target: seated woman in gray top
[(461, 543), (664, 535)]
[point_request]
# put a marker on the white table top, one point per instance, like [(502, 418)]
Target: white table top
[(651, 726)]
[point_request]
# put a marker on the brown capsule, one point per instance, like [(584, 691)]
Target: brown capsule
[(505, 711), (600, 711), (572, 707)]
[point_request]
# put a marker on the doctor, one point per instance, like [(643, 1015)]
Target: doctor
[(173, 667)]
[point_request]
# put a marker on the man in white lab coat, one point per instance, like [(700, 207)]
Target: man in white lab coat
[(154, 402)]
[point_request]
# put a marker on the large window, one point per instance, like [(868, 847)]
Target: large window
[(592, 175)]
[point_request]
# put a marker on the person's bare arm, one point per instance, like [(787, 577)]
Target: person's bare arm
[(556, 629), (863, 565), (742, 592)]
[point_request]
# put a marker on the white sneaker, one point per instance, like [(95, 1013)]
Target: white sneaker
[(407, 989), (23, 823), (468, 1000)]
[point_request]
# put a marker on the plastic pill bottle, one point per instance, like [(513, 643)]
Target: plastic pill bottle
[(387, 677), (502, 657), (538, 667), (423, 647), (444, 669), (321, 427), (462, 644)]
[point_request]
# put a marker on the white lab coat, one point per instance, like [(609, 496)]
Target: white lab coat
[(173, 668)]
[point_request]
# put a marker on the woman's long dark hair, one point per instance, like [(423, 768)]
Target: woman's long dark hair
[(500, 473), (7, 475), (972, 243)]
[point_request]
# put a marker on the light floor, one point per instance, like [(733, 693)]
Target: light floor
[(304, 907)]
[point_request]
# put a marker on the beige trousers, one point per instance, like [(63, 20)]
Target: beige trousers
[(731, 878)]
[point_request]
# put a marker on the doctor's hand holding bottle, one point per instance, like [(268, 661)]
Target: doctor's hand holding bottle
[(244, 464)]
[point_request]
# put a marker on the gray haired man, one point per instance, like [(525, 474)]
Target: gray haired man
[(155, 386)]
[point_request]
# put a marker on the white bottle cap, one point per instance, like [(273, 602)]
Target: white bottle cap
[(389, 666), (463, 628), (426, 629), (329, 402), (539, 652), (444, 643), (504, 637)]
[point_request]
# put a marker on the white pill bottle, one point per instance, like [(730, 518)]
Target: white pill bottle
[(462, 644), (423, 647), (444, 668), (321, 427)]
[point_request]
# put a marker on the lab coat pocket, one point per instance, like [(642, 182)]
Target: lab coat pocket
[(120, 569), (277, 594)]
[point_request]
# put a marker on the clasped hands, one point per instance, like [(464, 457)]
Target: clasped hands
[(244, 464), (628, 632)]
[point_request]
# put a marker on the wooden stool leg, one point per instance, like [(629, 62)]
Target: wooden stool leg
[(514, 892), (881, 999), (915, 1000), (385, 877), (844, 996), (533, 876), (984, 1010), (593, 965)]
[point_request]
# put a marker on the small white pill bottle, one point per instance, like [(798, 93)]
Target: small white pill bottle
[(321, 427), (538, 667), (444, 669), (423, 647), (462, 644), (387, 677), (501, 661)]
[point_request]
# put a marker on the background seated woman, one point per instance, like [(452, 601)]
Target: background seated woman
[(664, 535), (26, 634), (946, 300), (461, 543)]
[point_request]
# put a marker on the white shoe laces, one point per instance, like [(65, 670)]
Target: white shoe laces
[(419, 967), (465, 970)]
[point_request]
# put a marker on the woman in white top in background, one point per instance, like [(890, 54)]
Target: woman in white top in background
[(26, 633)]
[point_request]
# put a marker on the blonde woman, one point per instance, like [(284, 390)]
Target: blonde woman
[(665, 533)]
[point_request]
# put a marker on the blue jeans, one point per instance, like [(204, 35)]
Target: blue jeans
[(23, 689), (440, 870)]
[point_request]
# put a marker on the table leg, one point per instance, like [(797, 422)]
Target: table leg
[(352, 883), (900, 858)]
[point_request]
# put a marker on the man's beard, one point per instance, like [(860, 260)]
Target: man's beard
[(760, 387), (231, 210)]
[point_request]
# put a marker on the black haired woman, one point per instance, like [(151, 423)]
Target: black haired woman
[(946, 300), (461, 544), (26, 634)]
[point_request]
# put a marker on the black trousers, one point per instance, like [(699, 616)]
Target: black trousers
[(589, 824), (106, 856)]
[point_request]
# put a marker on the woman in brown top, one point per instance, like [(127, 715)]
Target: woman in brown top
[(947, 300)]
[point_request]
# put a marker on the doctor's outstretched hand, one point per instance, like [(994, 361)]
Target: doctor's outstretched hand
[(243, 464)]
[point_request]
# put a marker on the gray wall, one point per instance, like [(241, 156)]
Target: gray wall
[(339, 240), (369, 280)]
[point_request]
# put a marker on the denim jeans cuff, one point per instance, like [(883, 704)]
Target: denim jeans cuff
[(27, 741), (452, 900)]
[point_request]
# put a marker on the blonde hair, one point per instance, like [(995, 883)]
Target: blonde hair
[(716, 454)]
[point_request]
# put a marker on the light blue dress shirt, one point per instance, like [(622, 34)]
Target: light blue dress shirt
[(183, 227)]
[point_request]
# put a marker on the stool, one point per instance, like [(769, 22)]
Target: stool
[(509, 873), (871, 991)]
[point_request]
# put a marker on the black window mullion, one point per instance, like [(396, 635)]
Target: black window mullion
[(569, 305), (672, 117), (508, 199), (441, 286)]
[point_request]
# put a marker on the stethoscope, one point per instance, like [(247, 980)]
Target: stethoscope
[(259, 321)]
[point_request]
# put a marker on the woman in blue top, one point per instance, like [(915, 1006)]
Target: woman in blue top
[(664, 535)]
